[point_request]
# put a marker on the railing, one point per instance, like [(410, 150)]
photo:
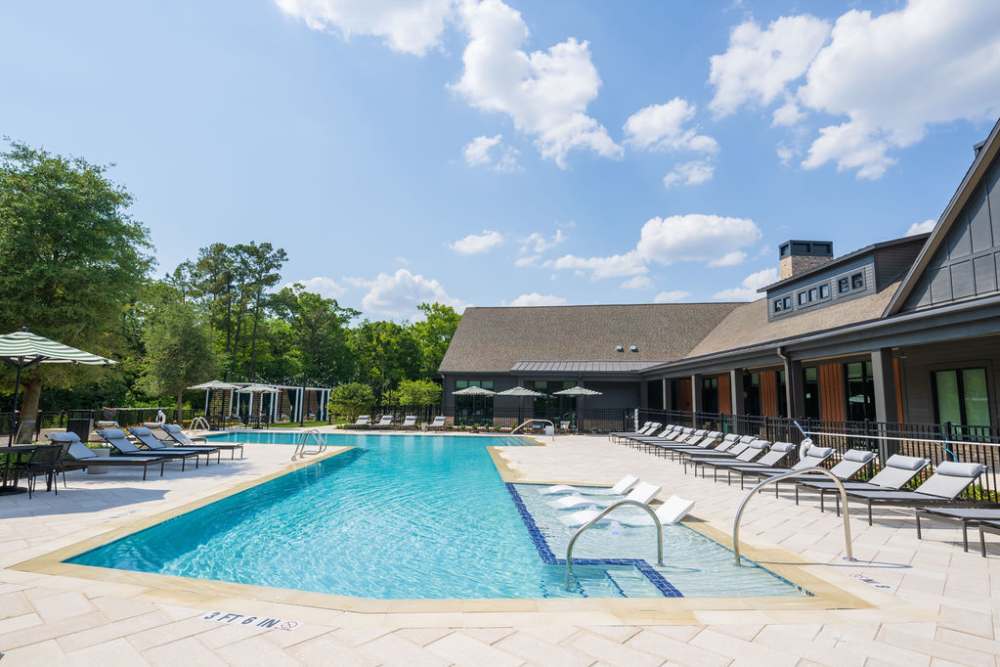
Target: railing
[(936, 442), (601, 515), (309, 436), (588, 420)]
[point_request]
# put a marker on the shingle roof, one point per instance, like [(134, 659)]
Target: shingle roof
[(582, 366), (748, 325), (493, 340)]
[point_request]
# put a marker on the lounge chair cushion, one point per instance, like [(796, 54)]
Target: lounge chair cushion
[(858, 456), (954, 469), (782, 447), (140, 431), (821, 453), (113, 434), (80, 451), (64, 437), (905, 462)]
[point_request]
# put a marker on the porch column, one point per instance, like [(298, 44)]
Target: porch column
[(665, 389), (736, 387), (885, 385), (696, 404)]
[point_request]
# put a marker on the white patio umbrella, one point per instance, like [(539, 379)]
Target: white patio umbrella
[(520, 393), (578, 392), (474, 391), (23, 349), (214, 385)]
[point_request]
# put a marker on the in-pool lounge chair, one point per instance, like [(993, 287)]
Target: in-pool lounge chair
[(642, 492), (969, 516), (896, 474), (81, 456), (437, 424), (182, 439), (669, 513), (146, 438), (125, 447), (409, 422), (948, 481), (620, 487)]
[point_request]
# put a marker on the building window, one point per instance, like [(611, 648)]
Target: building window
[(858, 281), (465, 384), (777, 307), (710, 394), (962, 397), (860, 391), (810, 382), (803, 298), (824, 291), (843, 285), (751, 393), (473, 410)]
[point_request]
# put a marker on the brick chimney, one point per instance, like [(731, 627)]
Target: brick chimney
[(795, 257)]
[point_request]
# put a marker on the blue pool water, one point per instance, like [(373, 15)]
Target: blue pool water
[(420, 516)]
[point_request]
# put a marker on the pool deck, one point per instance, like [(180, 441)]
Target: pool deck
[(904, 602)]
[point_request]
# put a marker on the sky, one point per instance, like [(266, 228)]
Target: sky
[(512, 152)]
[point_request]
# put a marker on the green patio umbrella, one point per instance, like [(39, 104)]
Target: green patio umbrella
[(520, 393), (23, 349), (578, 392)]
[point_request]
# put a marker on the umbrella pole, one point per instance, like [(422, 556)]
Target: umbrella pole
[(14, 421)]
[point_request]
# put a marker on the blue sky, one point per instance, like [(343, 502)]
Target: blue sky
[(521, 152)]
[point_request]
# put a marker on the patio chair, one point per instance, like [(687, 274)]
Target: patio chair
[(363, 420), (741, 453), (125, 447), (409, 422), (852, 462), (145, 437), (79, 456), (969, 516), (177, 434), (669, 513), (699, 441), (619, 488), (813, 458), (769, 461), (949, 480), (25, 432), (987, 527), (642, 492), (896, 474), (436, 425), (667, 433), (44, 462), (384, 422), (646, 429)]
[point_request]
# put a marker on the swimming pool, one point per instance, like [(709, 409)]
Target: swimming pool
[(420, 517)]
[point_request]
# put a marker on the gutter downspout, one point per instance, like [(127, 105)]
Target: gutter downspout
[(780, 350)]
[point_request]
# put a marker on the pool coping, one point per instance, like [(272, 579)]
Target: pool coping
[(210, 593)]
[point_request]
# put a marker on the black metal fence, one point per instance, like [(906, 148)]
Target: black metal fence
[(936, 442)]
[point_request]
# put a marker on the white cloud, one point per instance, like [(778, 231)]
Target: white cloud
[(733, 258), (662, 127), (538, 243), (476, 244), (614, 266), (670, 296), (536, 299), (545, 93), (921, 227), (787, 114), (637, 282), (695, 172), (760, 63), (323, 285), (747, 291), (407, 26), (491, 152), (785, 153), (711, 239), (527, 260), (398, 295), (894, 74)]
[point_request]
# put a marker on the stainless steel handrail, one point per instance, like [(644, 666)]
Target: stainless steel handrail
[(308, 435), (787, 475), (200, 424), (607, 510), (532, 421)]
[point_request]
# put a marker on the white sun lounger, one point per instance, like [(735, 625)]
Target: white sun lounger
[(642, 492), (669, 513), (620, 487)]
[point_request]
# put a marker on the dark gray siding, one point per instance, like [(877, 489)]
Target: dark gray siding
[(920, 362), (892, 263), (614, 394), (968, 262)]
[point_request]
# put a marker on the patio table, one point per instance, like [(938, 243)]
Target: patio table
[(10, 458)]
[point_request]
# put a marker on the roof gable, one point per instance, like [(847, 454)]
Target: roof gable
[(494, 340), (945, 249)]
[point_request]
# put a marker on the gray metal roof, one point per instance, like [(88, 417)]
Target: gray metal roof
[(582, 366)]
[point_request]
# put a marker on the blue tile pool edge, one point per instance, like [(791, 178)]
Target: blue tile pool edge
[(548, 557)]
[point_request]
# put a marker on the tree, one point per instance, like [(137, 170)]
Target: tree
[(178, 352), (419, 392), (434, 334), (351, 399), (71, 256), (319, 329), (385, 353)]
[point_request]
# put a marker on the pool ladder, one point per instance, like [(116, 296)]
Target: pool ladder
[(308, 437), (606, 511), (533, 421)]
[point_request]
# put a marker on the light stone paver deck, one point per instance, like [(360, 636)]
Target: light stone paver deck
[(931, 604)]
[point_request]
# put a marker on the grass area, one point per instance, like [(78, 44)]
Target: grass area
[(306, 424)]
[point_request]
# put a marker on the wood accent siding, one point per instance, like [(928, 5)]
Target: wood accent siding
[(725, 395), (684, 394), (832, 400), (769, 393)]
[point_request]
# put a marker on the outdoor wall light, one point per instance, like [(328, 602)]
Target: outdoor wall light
[(619, 348), (633, 348)]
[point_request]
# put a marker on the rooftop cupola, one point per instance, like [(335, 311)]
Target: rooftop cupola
[(795, 257)]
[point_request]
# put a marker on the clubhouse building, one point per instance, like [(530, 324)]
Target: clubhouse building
[(905, 331)]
